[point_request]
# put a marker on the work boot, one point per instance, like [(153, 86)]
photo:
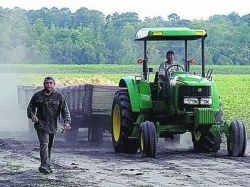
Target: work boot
[(44, 170)]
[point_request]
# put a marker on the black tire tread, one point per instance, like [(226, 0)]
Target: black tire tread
[(149, 133), (237, 140), (125, 145)]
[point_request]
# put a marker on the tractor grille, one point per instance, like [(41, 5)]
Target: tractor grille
[(192, 91)]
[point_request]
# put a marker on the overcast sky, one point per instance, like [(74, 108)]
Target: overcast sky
[(186, 9)]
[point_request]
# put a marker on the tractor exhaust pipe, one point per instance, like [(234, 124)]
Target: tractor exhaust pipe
[(203, 54), (145, 62), (186, 57)]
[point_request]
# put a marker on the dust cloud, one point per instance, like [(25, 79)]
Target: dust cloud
[(184, 144), (12, 117), (13, 37)]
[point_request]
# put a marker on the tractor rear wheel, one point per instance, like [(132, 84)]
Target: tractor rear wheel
[(148, 139), (206, 141), (122, 124), (237, 140)]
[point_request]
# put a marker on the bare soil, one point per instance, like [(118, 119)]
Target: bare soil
[(82, 164)]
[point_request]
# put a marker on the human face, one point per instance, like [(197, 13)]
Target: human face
[(49, 85), (170, 57)]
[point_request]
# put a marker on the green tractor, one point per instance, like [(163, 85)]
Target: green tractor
[(145, 110)]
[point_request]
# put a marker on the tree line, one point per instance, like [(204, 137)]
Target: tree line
[(59, 36)]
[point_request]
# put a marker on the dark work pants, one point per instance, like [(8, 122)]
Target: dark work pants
[(46, 142)]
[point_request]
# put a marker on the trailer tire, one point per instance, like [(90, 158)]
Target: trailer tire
[(148, 139), (31, 127), (95, 134), (122, 124), (237, 140), (206, 141), (71, 136)]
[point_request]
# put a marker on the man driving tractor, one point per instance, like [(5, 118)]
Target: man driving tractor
[(163, 75)]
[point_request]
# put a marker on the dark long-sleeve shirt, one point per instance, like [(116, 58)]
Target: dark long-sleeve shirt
[(48, 109)]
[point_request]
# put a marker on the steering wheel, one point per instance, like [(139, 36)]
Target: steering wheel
[(174, 65)]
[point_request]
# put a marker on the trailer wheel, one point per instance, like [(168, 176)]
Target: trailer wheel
[(206, 141), (148, 139), (71, 136), (95, 134), (90, 134), (237, 140), (31, 127), (122, 124)]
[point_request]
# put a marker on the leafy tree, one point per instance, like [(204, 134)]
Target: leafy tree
[(87, 36)]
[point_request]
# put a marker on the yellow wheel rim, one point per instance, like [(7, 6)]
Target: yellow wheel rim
[(142, 142), (116, 122)]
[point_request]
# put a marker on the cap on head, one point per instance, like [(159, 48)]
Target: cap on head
[(48, 79), (170, 52)]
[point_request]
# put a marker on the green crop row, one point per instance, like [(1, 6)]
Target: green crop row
[(108, 68), (235, 96)]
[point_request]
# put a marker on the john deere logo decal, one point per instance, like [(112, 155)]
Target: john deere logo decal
[(199, 89)]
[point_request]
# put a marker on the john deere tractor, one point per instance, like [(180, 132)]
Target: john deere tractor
[(145, 110)]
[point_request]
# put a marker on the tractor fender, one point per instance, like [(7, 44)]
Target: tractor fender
[(139, 93)]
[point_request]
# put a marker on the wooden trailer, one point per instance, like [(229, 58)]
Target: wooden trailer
[(89, 105)]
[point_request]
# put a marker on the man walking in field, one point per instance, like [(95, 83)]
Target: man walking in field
[(44, 109)]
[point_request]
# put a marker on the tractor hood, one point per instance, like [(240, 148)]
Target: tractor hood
[(190, 80)]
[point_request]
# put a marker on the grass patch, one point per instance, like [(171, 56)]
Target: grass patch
[(109, 68)]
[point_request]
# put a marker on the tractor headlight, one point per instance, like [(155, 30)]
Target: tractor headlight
[(191, 101), (206, 101)]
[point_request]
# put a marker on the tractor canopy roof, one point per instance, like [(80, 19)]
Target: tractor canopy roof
[(169, 33)]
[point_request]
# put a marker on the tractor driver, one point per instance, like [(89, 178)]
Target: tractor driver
[(164, 66)]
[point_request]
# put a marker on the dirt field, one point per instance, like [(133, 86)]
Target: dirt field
[(85, 165)]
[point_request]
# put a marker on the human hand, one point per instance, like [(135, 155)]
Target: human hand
[(66, 126), (34, 119)]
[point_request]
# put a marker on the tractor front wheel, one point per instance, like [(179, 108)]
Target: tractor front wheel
[(148, 139), (237, 140)]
